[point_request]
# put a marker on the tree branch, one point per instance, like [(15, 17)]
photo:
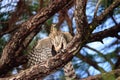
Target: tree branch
[(90, 62), (111, 32), (96, 8), (80, 17)]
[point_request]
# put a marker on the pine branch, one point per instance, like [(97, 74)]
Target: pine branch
[(110, 32)]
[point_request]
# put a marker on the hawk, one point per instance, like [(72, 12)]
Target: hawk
[(43, 50)]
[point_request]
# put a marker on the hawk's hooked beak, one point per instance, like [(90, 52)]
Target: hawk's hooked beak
[(57, 49)]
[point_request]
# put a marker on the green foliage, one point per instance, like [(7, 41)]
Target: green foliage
[(3, 18), (106, 3), (2, 44), (49, 21), (108, 76), (33, 43), (34, 7), (111, 55)]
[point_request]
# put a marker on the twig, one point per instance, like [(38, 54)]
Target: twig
[(96, 8)]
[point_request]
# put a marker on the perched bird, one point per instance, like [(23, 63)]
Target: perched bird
[(43, 50)]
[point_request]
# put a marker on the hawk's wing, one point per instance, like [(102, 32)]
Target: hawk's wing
[(41, 52)]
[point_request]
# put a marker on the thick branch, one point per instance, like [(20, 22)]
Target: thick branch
[(80, 16), (26, 28), (111, 32)]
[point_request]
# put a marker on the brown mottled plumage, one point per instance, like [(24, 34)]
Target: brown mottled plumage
[(43, 49)]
